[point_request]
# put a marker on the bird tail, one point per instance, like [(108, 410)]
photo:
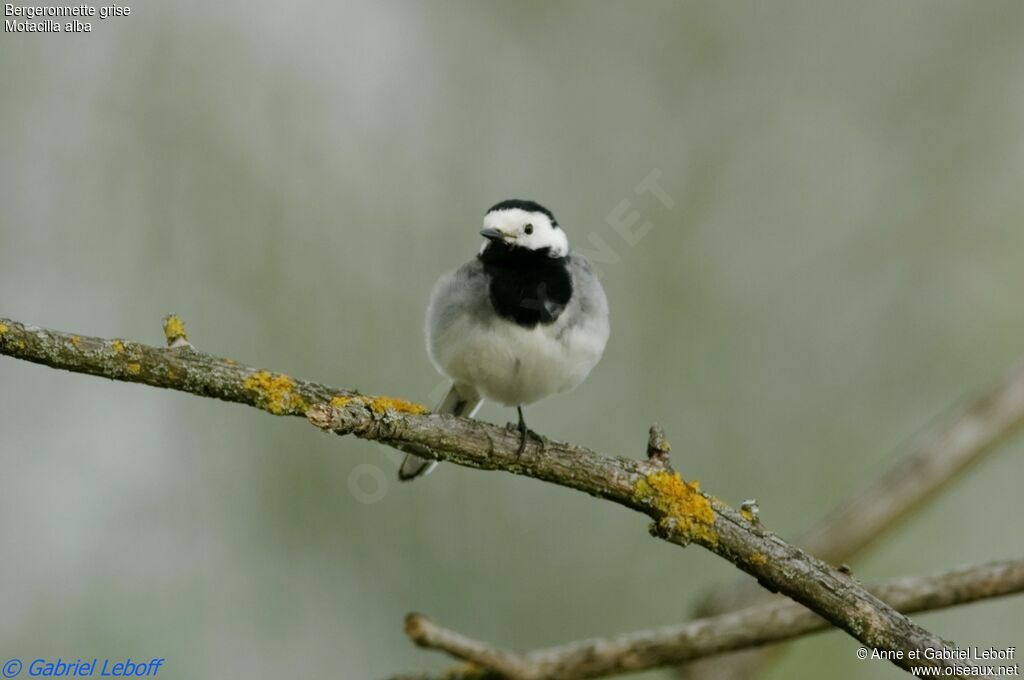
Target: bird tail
[(461, 400)]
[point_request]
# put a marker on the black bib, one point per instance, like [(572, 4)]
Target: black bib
[(527, 287)]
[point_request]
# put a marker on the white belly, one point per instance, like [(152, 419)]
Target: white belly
[(516, 366)]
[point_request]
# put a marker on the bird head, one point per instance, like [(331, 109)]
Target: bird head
[(524, 224)]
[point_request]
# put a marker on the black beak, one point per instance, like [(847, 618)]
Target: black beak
[(493, 234)]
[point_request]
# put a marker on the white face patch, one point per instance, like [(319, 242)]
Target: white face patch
[(530, 230)]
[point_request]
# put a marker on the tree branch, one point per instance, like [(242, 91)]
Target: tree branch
[(491, 660), (178, 368), (758, 625), (930, 462), (933, 459), (681, 513)]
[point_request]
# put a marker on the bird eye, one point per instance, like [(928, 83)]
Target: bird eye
[(528, 228)]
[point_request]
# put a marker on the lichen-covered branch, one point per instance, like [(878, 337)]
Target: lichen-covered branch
[(178, 367), (680, 511), (758, 625), (928, 463)]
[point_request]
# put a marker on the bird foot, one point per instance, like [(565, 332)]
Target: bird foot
[(524, 435)]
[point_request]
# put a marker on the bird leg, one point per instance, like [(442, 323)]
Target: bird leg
[(524, 432)]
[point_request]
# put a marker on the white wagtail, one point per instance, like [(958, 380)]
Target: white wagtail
[(523, 320)]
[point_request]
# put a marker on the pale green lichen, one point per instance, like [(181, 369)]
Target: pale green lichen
[(684, 510)]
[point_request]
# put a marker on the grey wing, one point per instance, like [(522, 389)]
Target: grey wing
[(588, 305), (457, 294)]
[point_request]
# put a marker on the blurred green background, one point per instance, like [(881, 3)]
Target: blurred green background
[(842, 262)]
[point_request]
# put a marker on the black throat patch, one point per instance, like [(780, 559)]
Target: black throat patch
[(527, 287)]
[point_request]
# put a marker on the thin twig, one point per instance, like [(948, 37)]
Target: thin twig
[(681, 513), (758, 625), (425, 633)]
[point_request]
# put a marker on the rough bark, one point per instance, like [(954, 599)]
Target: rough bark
[(681, 512)]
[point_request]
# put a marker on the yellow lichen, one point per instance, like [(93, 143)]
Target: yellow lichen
[(758, 559), (134, 369), (75, 340), (174, 328), (117, 346), (276, 392), (384, 404), (3, 328), (747, 514), (684, 510), (380, 405)]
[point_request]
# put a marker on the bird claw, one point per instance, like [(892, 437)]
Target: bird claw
[(524, 433), (522, 443), (524, 436)]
